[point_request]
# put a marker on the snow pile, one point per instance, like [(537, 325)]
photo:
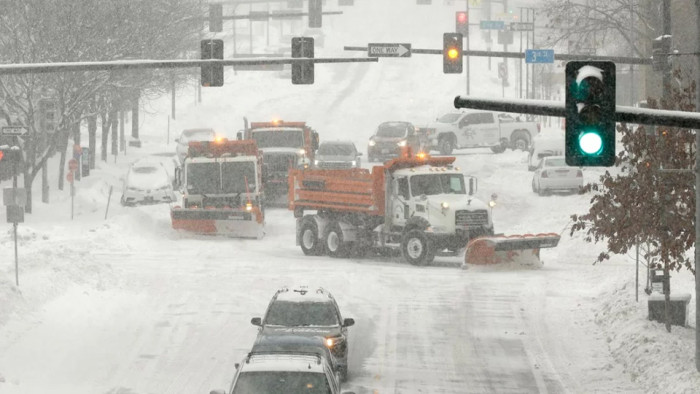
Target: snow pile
[(659, 361)]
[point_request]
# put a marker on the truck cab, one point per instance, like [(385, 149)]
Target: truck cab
[(438, 201)]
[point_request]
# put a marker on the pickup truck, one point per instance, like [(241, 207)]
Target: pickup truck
[(478, 129)]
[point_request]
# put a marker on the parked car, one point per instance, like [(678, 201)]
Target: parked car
[(147, 183), (189, 135), (334, 155), (169, 161), (283, 372), (296, 343), (310, 313), (544, 145), (390, 137), (479, 129), (553, 174)]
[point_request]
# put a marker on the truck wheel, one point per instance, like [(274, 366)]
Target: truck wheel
[(520, 141), (310, 244), (416, 248), (446, 146), (335, 245)]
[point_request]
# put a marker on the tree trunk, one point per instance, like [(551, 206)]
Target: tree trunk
[(62, 146), (122, 140), (135, 116), (114, 121), (105, 134), (92, 139), (667, 297)]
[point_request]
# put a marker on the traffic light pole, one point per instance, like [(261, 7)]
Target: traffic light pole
[(658, 117), (697, 196), (467, 1)]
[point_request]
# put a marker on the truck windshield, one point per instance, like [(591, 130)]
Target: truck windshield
[(392, 130), (234, 175), (449, 118), (294, 314), (431, 184), (203, 178), (282, 382), (336, 150), (289, 138)]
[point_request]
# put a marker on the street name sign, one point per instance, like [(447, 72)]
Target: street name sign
[(388, 50), (492, 25), (14, 130), (539, 56), (522, 26)]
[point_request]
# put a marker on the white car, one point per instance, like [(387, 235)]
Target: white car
[(552, 174), (147, 183), (192, 135)]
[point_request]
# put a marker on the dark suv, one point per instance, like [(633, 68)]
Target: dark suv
[(390, 137), (307, 312)]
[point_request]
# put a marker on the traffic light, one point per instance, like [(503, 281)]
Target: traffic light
[(315, 16), (10, 159), (660, 50), (590, 113), (452, 53), (216, 14), (212, 74), (48, 115), (462, 23), (303, 71)]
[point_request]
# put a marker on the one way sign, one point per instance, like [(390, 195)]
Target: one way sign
[(389, 50)]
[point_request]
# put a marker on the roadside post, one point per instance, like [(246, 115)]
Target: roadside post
[(73, 167)]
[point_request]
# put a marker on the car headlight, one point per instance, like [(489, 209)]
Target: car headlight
[(401, 143), (330, 342), (372, 143)]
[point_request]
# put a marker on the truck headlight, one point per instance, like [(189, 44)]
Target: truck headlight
[(354, 163), (401, 143), (302, 151), (315, 162), (444, 205), (372, 143)]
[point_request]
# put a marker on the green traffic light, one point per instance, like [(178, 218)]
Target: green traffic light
[(590, 142)]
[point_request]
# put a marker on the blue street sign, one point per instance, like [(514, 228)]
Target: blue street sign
[(492, 25), (539, 56)]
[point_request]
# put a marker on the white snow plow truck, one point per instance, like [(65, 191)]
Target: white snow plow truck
[(419, 205), (221, 183), (284, 146)]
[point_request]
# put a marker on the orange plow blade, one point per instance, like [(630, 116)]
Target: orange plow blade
[(518, 249)]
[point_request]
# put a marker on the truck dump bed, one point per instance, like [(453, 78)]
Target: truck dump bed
[(352, 190)]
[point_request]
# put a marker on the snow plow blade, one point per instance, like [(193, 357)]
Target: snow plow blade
[(238, 223), (515, 249)]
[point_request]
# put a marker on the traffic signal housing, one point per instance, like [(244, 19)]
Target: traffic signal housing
[(590, 114), (462, 23), (452, 53), (303, 70), (216, 14), (660, 50), (10, 161), (212, 74), (315, 13)]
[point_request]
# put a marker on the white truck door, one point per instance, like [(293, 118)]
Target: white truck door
[(488, 129), (400, 200)]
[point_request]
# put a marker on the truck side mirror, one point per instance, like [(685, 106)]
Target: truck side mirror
[(314, 141), (177, 178), (256, 321), (472, 186), (239, 135)]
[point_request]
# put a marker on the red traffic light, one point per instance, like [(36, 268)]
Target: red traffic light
[(1, 155), (462, 17)]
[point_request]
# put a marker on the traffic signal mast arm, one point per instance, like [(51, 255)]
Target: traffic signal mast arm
[(553, 108), (38, 68)]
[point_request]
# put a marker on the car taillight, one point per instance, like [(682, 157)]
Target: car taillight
[(544, 174), (579, 174)]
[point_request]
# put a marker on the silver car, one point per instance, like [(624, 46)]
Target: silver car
[(147, 183), (192, 135), (553, 174), (336, 155)]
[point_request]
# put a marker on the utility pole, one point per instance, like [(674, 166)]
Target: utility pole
[(697, 194), (468, 19)]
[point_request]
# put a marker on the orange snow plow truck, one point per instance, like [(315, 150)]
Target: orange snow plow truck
[(418, 205), (221, 183)]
